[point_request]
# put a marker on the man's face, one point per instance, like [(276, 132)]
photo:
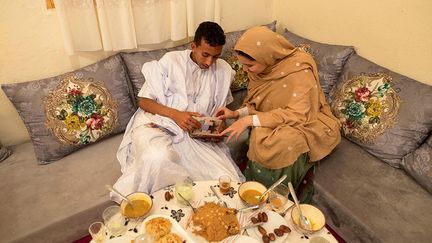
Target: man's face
[(205, 55)]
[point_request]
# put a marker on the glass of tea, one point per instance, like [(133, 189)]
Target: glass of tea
[(278, 198), (224, 184), (97, 231)]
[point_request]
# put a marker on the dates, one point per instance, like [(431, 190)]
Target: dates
[(254, 220), (278, 232), (284, 228), (262, 230), (272, 237), (168, 196), (266, 239)]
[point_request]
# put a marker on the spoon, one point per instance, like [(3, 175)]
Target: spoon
[(187, 202), (272, 187), (304, 221), (111, 189), (218, 197)]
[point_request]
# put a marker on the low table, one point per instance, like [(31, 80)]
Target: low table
[(202, 191)]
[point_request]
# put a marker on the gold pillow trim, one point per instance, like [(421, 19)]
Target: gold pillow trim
[(80, 111), (241, 79), (367, 105)]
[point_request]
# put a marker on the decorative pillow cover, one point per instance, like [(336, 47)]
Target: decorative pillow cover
[(32, 101), (366, 106), (413, 122), (330, 59), (80, 111), (418, 164)]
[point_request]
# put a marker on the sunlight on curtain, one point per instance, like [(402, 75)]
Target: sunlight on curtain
[(112, 25)]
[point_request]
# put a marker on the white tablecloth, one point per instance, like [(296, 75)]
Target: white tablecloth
[(202, 191)]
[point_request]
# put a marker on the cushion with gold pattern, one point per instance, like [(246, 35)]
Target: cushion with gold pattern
[(384, 112), (64, 113)]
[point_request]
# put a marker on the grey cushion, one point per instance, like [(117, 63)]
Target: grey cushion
[(135, 60), (418, 164), (366, 200), (4, 152), (413, 122), (330, 59), (28, 98), (55, 202)]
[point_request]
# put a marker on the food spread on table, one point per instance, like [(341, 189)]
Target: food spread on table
[(214, 222)]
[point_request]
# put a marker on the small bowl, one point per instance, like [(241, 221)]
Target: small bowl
[(136, 213), (251, 185), (315, 216)]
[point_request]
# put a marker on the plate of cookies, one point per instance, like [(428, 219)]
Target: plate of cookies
[(162, 228), (274, 228)]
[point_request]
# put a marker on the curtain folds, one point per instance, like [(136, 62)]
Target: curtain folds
[(112, 25)]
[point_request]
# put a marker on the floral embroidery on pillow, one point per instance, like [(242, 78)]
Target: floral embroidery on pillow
[(80, 111), (241, 79), (366, 105)]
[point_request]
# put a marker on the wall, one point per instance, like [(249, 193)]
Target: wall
[(396, 34), (31, 48)]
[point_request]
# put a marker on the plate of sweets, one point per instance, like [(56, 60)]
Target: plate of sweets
[(163, 229), (210, 128), (274, 228), (213, 222)]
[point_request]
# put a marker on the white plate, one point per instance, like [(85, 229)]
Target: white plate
[(240, 239), (274, 221), (189, 227), (175, 228)]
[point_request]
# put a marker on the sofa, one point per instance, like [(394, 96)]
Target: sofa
[(370, 187)]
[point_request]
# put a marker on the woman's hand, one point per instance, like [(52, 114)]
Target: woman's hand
[(237, 128), (185, 120), (225, 113)]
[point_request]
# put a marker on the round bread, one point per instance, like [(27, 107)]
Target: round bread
[(170, 238), (158, 227)]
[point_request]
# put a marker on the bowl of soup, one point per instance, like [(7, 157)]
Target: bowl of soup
[(141, 205), (250, 191)]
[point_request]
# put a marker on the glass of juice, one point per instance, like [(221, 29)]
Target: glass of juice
[(114, 220), (184, 187), (278, 198), (224, 184)]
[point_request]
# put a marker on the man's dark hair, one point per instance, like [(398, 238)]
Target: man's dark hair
[(245, 55), (211, 32)]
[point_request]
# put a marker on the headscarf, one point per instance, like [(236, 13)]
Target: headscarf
[(288, 100)]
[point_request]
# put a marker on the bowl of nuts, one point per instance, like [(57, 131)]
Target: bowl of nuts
[(273, 228), (315, 216)]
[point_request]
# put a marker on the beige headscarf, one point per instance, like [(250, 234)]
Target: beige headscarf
[(289, 102)]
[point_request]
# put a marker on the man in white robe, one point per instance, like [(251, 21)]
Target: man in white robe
[(157, 150)]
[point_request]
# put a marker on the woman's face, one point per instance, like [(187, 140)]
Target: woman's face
[(250, 66)]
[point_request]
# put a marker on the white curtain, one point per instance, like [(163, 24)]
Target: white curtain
[(111, 25)]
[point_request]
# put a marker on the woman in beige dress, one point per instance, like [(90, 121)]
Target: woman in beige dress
[(292, 126)]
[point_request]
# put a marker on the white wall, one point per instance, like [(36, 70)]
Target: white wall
[(31, 48), (396, 34)]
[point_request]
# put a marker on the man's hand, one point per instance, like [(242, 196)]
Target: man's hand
[(225, 113), (237, 128), (185, 120)]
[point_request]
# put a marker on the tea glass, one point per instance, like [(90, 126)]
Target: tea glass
[(97, 231), (184, 187), (114, 220), (278, 198), (224, 184)]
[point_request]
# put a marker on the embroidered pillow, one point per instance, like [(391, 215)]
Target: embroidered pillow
[(330, 59), (80, 111), (366, 106), (418, 164), (405, 118), (61, 119)]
